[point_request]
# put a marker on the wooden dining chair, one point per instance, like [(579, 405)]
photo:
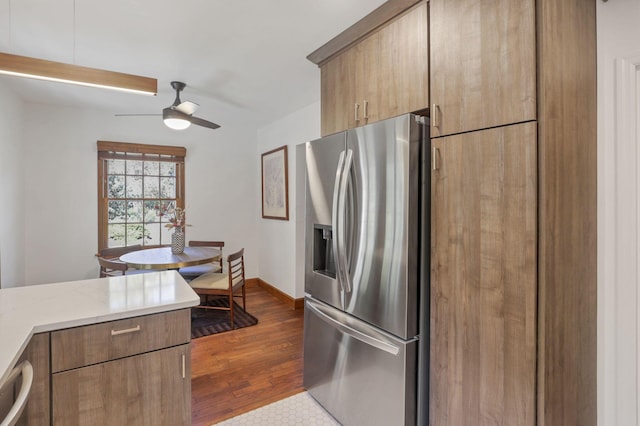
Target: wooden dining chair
[(115, 252), (111, 266), (225, 284), (191, 272)]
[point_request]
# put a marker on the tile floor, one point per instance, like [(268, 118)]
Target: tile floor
[(297, 410)]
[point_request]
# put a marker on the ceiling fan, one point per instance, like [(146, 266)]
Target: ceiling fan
[(179, 115)]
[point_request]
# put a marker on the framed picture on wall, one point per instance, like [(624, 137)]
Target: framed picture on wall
[(275, 184)]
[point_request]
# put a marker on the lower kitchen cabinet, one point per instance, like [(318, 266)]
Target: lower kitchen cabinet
[(149, 389), (483, 277)]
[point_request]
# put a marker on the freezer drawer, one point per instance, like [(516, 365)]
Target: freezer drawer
[(358, 373)]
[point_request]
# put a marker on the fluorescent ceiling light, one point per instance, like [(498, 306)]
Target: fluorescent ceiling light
[(22, 66)]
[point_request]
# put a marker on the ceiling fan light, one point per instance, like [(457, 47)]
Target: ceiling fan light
[(177, 123), (175, 119)]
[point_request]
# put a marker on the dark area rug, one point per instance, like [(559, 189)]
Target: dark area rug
[(211, 321)]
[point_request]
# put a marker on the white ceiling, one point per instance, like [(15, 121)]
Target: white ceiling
[(248, 55)]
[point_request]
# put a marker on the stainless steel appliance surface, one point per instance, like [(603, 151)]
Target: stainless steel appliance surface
[(366, 273)]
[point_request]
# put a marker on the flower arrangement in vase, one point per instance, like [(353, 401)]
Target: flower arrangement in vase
[(176, 217)]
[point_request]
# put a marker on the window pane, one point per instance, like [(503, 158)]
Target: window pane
[(134, 167), (135, 234), (115, 167), (153, 234), (167, 169), (166, 236), (134, 211), (151, 168), (134, 186), (151, 187), (151, 211), (117, 211), (167, 187), (115, 186), (116, 236), (166, 211)]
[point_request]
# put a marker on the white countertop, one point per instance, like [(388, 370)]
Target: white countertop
[(25, 311)]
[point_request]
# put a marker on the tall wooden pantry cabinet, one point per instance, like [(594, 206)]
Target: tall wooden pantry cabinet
[(510, 89)]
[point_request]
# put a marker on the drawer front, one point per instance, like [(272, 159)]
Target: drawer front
[(81, 346)]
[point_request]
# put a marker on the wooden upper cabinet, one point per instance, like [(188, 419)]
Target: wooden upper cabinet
[(337, 94), (382, 75), (483, 64), (483, 277)]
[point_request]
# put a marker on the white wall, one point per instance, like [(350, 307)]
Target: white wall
[(61, 184), (11, 189), (281, 260), (618, 212)]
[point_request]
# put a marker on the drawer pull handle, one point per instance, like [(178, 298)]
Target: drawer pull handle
[(125, 331)]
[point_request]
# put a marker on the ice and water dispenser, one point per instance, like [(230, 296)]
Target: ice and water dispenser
[(323, 261)]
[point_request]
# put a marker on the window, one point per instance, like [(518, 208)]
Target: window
[(135, 182)]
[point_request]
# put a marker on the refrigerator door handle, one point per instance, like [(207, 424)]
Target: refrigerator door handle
[(342, 255), (322, 313), (334, 216)]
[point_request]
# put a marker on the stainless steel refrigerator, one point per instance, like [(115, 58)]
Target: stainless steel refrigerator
[(366, 272)]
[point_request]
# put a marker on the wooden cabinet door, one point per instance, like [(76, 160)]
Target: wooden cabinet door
[(148, 389), (383, 75), (483, 278), (338, 93), (400, 76), (483, 64)]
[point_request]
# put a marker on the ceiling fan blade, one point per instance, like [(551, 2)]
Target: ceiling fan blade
[(136, 115), (187, 107), (204, 123)]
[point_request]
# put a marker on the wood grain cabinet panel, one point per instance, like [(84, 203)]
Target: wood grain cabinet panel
[(37, 410), (483, 64), (483, 278), (382, 75), (80, 346), (148, 389), (338, 93)]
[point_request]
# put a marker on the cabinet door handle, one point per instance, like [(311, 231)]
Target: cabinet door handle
[(435, 116), (434, 158), (184, 366), (125, 331), (355, 112), (366, 110)]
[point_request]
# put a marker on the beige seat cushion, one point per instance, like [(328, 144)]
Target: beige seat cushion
[(214, 281), (211, 281)]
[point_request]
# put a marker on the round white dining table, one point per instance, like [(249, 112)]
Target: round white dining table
[(162, 258)]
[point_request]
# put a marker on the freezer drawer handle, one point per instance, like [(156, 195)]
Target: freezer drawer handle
[(372, 341)]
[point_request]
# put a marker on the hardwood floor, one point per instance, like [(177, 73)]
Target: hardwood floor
[(240, 370)]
